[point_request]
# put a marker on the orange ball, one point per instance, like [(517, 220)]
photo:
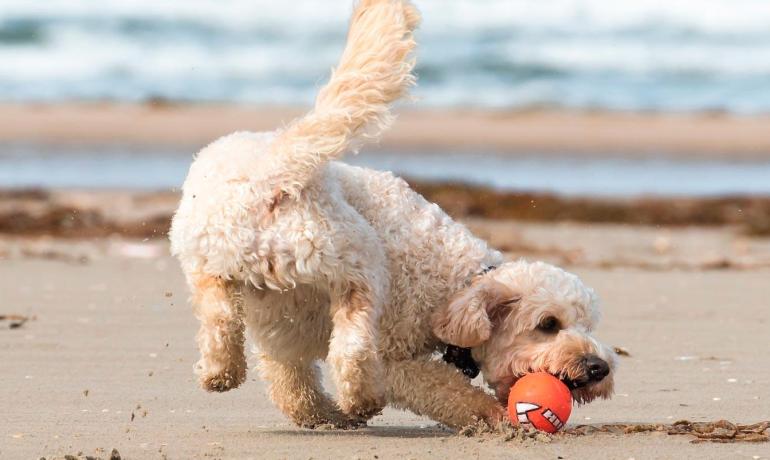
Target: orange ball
[(541, 400)]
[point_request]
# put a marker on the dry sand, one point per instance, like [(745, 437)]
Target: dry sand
[(106, 360), (702, 135)]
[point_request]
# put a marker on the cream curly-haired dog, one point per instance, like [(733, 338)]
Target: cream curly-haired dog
[(321, 260)]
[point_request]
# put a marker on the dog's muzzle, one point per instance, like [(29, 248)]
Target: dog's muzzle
[(595, 370)]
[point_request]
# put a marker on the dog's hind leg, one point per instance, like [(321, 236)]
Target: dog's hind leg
[(439, 391), (291, 331), (220, 338), (295, 387)]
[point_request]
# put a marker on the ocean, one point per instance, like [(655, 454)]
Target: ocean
[(652, 55)]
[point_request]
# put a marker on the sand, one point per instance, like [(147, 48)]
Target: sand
[(590, 133), (147, 214), (105, 361)]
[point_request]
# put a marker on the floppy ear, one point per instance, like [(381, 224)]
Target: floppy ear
[(467, 320)]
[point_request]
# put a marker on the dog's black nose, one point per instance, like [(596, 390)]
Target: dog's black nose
[(596, 368)]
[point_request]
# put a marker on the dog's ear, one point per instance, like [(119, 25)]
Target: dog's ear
[(467, 320)]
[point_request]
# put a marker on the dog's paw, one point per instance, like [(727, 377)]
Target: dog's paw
[(363, 409), (221, 381), (336, 424), (333, 421), (495, 415), (363, 402), (350, 424)]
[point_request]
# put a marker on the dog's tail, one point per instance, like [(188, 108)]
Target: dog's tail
[(375, 70)]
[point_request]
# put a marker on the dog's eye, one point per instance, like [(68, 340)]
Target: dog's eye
[(549, 325)]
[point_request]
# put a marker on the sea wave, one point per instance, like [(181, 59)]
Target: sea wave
[(685, 55)]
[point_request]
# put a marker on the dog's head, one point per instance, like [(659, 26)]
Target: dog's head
[(530, 317)]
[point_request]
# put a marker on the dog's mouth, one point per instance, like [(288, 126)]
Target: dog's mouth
[(586, 379), (574, 384), (503, 387)]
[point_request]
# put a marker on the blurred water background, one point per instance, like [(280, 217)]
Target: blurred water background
[(662, 55), (24, 166), (690, 56)]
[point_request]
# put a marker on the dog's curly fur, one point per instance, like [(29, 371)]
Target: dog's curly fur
[(321, 260)]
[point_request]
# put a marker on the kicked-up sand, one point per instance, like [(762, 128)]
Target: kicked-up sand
[(105, 359)]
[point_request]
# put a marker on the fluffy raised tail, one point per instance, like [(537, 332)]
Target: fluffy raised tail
[(375, 70)]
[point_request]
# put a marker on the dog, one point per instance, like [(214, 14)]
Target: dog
[(319, 260)]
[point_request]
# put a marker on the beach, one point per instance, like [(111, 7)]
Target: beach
[(627, 142), (105, 360), (97, 343)]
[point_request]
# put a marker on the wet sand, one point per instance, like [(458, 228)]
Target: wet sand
[(105, 360), (712, 135), (147, 214)]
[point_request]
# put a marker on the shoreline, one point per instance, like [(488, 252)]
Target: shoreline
[(545, 132)]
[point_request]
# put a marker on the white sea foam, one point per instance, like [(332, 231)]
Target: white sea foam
[(629, 54)]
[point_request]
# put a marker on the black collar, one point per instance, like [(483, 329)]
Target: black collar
[(462, 357)]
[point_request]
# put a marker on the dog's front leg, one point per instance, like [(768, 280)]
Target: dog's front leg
[(352, 356), (441, 392), (220, 338)]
